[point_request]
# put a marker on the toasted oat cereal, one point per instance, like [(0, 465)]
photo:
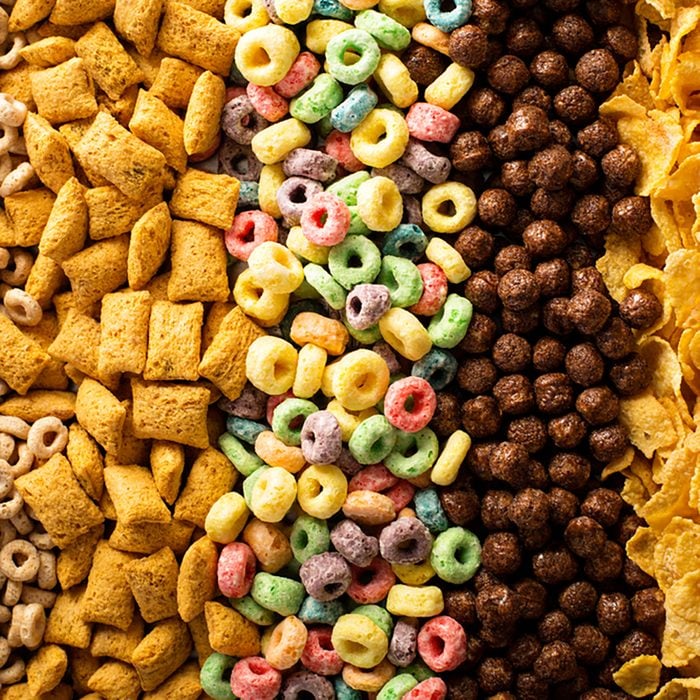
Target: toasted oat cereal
[(147, 538), (37, 404), (48, 52), (205, 197), (229, 632), (82, 666), (86, 460), (150, 239), (153, 583), (203, 115), (134, 495), (100, 412), (66, 624), (46, 668), (66, 228), (45, 279), (183, 684), (115, 680), (26, 13), (167, 462), (161, 652), (196, 582), (77, 12), (28, 213), (48, 151), (75, 560), (117, 644), (200, 637), (137, 22), (174, 82), (21, 358)]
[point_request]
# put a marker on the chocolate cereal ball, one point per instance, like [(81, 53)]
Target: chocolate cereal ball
[(424, 64), (533, 95), (589, 311), (529, 509), (604, 505), (470, 152), (460, 505), (497, 605), (545, 238), (518, 289), (641, 309), (553, 277), (554, 566), (468, 46), (480, 335), (556, 662), (591, 214), (569, 470), (475, 246), (511, 353), (445, 420), (630, 375), (496, 207), (590, 645), (572, 34), (481, 416), (514, 394), (584, 364), (621, 165), (621, 42), (512, 257), (500, 553), (608, 443), (523, 651), (478, 460), (606, 565), (563, 505), (548, 354), (637, 643), (477, 375), (598, 138), (461, 605), (482, 291), (522, 321), (550, 69), (509, 463), (631, 216), (524, 37), (494, 674), (648, 609), (587, 278), (484, 106), (490, 15), (528, 431), (547, 204), (551, 167), (553, 393), (615, 340), (574, 105), (578, 600), (554, 626), (531, 598), (584, 536), (508, 74), (567, 431), (597, 71), (495, 507), (528, 127), (502, 143)]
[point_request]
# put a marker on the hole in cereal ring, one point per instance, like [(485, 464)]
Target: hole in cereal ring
[(447, 208)]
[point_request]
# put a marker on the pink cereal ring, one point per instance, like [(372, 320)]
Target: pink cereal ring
[(319, 655), (442, 644), (266, 102), (434, 290), (304, 69), (429, 689), (417, 393), (431, 123), (325, 219), (235, 570), (401, 494), (338, 146), (373, 478), (370, 584), (254, 679), (205, 155), (273, 402), (248, 231)]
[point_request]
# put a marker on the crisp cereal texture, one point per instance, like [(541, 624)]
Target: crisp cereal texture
[(107, 508), (198, 258), (150, 239), (203, 115), (82, 666), (229, 632), (212, 475), (47, 150), (48, 52), (153, 583), (7, 231), (174, 336), (215, 8), (46, 668), (21, 358), (27, 214), (53, 375), (115, 680), (148, 64), (123, 107), (54, 494), (161, 652), (100, 412), (124, 332), (86, 461), (37, 404), (167, 462), (176, 412), (117, 644), (158, 287), (200, 637), (67, 225), (134, 495), (75, 560), (133, 450), (77, 12), (111, 213), (26, 13), (45, 279), (174, 82), (73, 132), (147, 538), (196, 583), (65, 302), (21, 691), (205, 197), (66, 624), (137, 22), (17, 83), (217, 313), (183, 684)]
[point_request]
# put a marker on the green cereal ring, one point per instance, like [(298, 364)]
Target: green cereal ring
[(281, 595), (306, 292), (413, 453), (456, 555), (213, 676), (288, 419), (245, 462), (397, 687), (403, 280), (367, 337), (419, 671), (357, 226), (372, 440), (378, 615), (356, 41), (449, 326), (354, 261), (309, 536), (321, 97), (388, 32), (252, 611), (325, 285), (346, 188), (249, 483)]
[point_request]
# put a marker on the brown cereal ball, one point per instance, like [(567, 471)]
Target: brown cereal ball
[(591, 214), (497, 605), (468, 46), (553, 393), (508, 74), (548, 354), (445, 420), (494, 674), (555, 205), (603, 694), (460, 505), (637, 643), (627, 527), (569, 470), (587, 278), (598, 405), (461, 606), (523, 651), (621, 165), (554, 566), (563, 505), (511, 353), (475, 246), (538, 477), (632, 215), (497, 637), (424, 64), (500, 553), (641, 309), (512, 257), (521, 321), (597, 71), (554, 626), (608, 443), (529, 509), (529, 127), (598, 138), (631, 375), (518, 289), (560, 132), (555, 316), (553, 276), (544, 238), (515, 178), (613, 613), (574, 105), (551, 167), (556, 662), (550, 69), (462, 688), (579, 254), (478, 460), (648, 609), (502, 143), (584, 536), (481, 416), (615, 341), (482, 291), (603, 12), (496, 207), (533, 95), (567, 431), (491, 15), (621, 42), (470, 152), (494, 509), (603, 505), (509, 462), (578, 600), (589, 311), (529, 431), (572, 34), (531, 599), (514, 394), (590, 645), (634, 577), (484, 107), (477, 375), (480, 335), (584, 364), (585, 171), (529, 687)]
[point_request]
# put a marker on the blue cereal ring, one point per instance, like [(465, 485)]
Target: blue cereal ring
[(332, 8), (405, 241), (429, 510), (438, 368), (361, 100), (244, 429), (448, 21)]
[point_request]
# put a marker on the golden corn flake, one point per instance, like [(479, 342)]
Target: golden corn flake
[(682, 272), (621, 253), (648, 423), (640, 676), (680, 689)]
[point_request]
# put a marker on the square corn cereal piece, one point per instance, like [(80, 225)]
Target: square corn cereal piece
[(120, 157), (137, 21), (65, 624), (48, 152), (111, 213), (158, 126), (158, 287), (65, 302), (53, 376), (28, 213), (117, 644), (16, 82), (106, 60), (77, 12), (39, 404), (212, 475), (175, 412), (123, 107), (45, 279), (148, 65), (73, 132), (107, 508), (115, 680), (148, 538), (135, 495), (161, 652), (174, 336), (100, 412), (174, 82), (217, 313), (98, 270), (86, 460), (203, 116), (108, 598), (48, 52), (215, 8), (184, 684), (82, 665), (64, 92), (54, 494), (66, 229), (46, 668), (148, 245), (26, 13), (167, 461), (198, 258), (196, 582), (22, 359), (75, 561), (229, 632), (8, 235), (205, 197), (124, 332), (224, 361), (197, 37), (133, 450), (153, 583), (200, 637)]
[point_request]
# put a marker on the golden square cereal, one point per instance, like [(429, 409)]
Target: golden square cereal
[(174, 336), (45, 279), (111, 213), (200, 637), (37, 404), (21, 359), (66, 228), (65, 302), (212, 475), (229, 632), (147, 538), (115, 680), (53, 376), (75, 561), (126, 161), (98, 270), (117, 644), (196, 582), (167, 464), (135, 495), (137, 21), (197, 37), (8, 235), (64, 92), (158, 287), (46, 668), (107, 508), (198, 258), (133, 450), (100, 412), (150, 239), (203, 116), (77, 12), (205, 197), (16, 82), (123, 107), (28, 213), (153, 583), (47, 151), (82, 665), (106, 60), (161, 128), (174, 82), (20, 691), (48, 52), (161, 652), (26, 13), (148, 65), (124, 332), (65, 624), (183, 684), (215, 8), (224, 361), (217, 313), (73, 132)]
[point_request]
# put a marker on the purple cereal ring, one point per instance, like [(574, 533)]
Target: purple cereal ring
[(359, 549), (306, 162), (347, 463), (304, 684), (294, 194), (240, 121), (250, 404), (403, 644), (366, 304), (325, 220), (325, 576), (434, 169), (321, 439), (412, 213), (406, 179), (383, 349), (239, 161), (405, 541)]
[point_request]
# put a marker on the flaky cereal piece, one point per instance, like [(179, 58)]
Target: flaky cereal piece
[(122, 109), (82, 665), (197, 38), (124, 332), (183, 684), (48, 152), (26, 13), (28, 213), (196, 583), (111, 213), (117, 644), (64, 92), (153, 583), (200, 637), (229, 632), (86, 460), (137, 22), (147, 538), (46, 668), (161, 652), (135, 495), (16, 82), (115, 680), (38, 404), (48, 52), (100, 412), (66, 624), (66, 228), (77, 12), (167, 461), (217, 313), (98, 270), (21, 358), (75, 561), (198, 258), (215, 8), (224, 361), (120, 157), (203, 116), (174, 82), (205, 197), (174, 336), (53, 376), (45, 279), (150, 239)]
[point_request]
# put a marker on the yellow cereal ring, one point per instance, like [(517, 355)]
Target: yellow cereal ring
[(462, 199), (406, 12), (445, 469), (369, 508), (320, 31), (321, 490), (395, 81), (273, 495), (347, 420), (245, 15), (450, 86), (415, 601), (226, 518), (359, 641), (428, 35), (310, 368), (262, 305), (405, 333), (293, 11), (264, 55), (273, 144), (303, 248), (380, 139), (371, 680), (359, 380), (414, 574), (448, 260), (271, 179), (271, 364), (275, 268), (379, 203)]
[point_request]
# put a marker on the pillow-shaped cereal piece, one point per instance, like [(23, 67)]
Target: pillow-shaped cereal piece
[(174, 336), (174, 82), (76, 12), (137, 22), (28, 213), (135, 496), (46, 668), (115, 680), (53, 375), (21, 358), (54, 494), (148, 245), (198, 259), (215, 8), (75, 560), (73, 132), (25, 14), (153, 583), (49, 51), (167, 461), (230, 633), (197, 38), (196, 583), (117, 644), (184, 684), (200, 637), (111, 213), (82, 666), (217, 313), (48, 152), (161, 652), (16, 82), (45, 279), (147, 538), (158, 287), (123, 107), (65, 624), (203, 116), (38, 404), (64, 92), (86, 461), (8, 235), (205, 197), (100, 412), (66, 228)]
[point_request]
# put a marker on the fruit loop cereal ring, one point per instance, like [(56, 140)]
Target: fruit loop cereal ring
[(291, 12), (406, 180), (309, 327), (337, 145), (354, 261), (370, 680), (389, 33), (303, 248), (293, 196), (277, 593), (286, 643), (226, 518), (249, 230), (379, 204), (271, 364), (371, 583), (405, 333), (288, 419), (313, 611), (351, 112), (318, 100), (22, 308), (319, 655), (415, 601), (375, 478), (369, 508), (235, 570), (264, 55), (395, 81), (273, 402), (243, 429), (450, 86), (332, 8), (419, 394), (366, 304), (380, 139), (240, 121), (359, 641), (322, 490), (309, 536), (245, 15), (46, 437), (325, 219), (253, 678), (359, 379), (405, 241), (442, 644), (276, 142), (446, 468), (273, 493), (434, 290), (304, 684), (25, 552), (358, 42), (321, 439), (325, 576), (267, 102), (405, 541), (397, 687), (304, 69), (357, 547), (372, 440), (461, 200), (429, 689), (428, 122), (403, 280), (456, 555), (239, 161), (213, 676), (266, 307), (247, 607), (333, 294), (429, 166), (310, 367), (449, 326), (306, 162), (430, 511), (245, 462), (448, 260), (403, 644), (274, 268)]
